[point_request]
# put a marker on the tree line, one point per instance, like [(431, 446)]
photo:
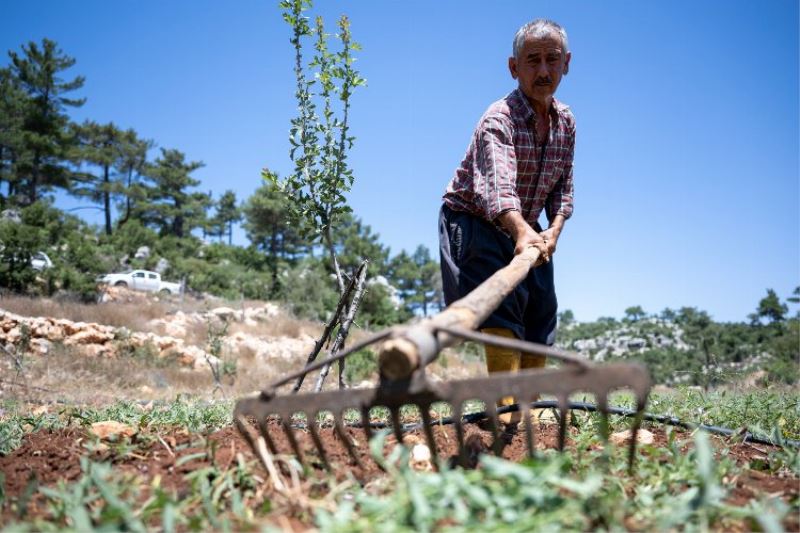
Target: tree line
[(716, 353), (42, 150), (149, 197)]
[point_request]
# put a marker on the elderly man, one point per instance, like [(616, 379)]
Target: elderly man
[(519, 162)]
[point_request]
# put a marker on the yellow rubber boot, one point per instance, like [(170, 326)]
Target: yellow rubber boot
[(503, 360), (528, 361)]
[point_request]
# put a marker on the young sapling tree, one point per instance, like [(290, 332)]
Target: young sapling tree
[(320, 142)]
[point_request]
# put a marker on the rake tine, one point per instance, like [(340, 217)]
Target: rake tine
[(396, 426), (337, 424), (313, 429), (260, 447), (525, 408), (426, 425), (244, 430), (563, 413), (637, 422), (602, 408), (287, 428), (365, 421), (462, 453), (262, 426), (497, 442)]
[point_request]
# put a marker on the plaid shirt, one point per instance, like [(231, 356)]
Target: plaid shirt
[(504, 169)]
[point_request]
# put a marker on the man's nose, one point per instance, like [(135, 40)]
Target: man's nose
[(541, 70)]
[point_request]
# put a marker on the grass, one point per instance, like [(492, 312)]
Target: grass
[(682, 491), (105, 500), (759, 410), (679, 486), (192, 415)]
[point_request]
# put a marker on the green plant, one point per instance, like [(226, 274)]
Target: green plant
[(320, 141), (361, 365)]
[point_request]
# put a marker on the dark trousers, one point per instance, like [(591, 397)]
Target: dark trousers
[(472, 249)]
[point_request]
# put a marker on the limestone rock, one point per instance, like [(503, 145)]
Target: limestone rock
[(142, 253), (111, 430), (225, 313), (420, 458), (11, 215), (173, 329), (624, 437), (94, 334), (637, 343), (98, 350), (41, 346)]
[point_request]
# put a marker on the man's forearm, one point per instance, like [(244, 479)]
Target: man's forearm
[(513, 222), (522, 232), (557, 224)]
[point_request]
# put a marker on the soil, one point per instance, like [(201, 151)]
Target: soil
[(47, 457)]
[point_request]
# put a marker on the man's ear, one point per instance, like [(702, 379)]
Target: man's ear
[(512, 66), (566, 62)]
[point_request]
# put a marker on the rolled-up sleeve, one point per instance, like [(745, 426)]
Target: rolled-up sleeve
[(495, 167), (560, 200)]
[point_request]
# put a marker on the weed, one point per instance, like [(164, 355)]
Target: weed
[(215, 338)]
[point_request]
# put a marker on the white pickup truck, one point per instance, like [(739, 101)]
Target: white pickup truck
[(141, 280)]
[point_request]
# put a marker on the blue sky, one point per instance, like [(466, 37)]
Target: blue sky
[(686, 171)]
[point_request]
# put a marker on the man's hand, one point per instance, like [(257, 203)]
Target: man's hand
[(551, 234), (527, 238), (523, 235), (550, 237)]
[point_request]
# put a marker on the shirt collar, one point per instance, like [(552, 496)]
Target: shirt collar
[(525, 107)]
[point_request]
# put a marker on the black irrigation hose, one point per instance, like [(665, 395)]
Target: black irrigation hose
[(584, 406)]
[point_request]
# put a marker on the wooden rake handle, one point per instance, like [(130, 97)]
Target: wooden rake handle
[(416, 346)]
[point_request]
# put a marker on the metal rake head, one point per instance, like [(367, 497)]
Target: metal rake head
[(273, 423)]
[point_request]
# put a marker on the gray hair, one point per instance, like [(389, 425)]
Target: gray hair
[(537, 29)]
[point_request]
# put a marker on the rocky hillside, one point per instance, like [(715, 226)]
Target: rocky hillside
[(189, 339), (625, 339), (687, 347)]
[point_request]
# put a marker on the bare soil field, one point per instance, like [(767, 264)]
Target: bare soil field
[(65, 388), (48, 457)]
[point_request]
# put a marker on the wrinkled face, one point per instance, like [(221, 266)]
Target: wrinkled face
[(539, 67)]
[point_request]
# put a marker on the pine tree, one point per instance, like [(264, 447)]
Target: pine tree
[(170, 206), (227, 214), (267, 224), (45, 133), (131, 164), (418, 279), (770, 308), (429, 286), (634, 313), (98, 145), (354, 241), (13, 102)]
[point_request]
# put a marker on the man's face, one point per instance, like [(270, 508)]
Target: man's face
[(539, 67)]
